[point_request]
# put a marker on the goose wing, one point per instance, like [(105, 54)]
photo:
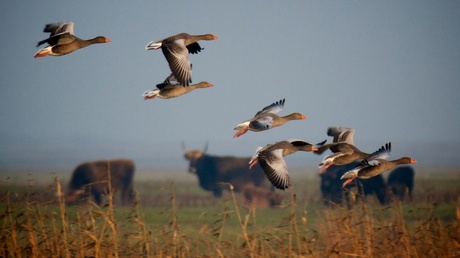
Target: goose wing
[(273, 108), (60, 33), (275, 168), (176, 54)]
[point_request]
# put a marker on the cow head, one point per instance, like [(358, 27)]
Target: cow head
[(193, 156), (72, 196)]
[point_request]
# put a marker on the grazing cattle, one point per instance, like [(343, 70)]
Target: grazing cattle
[(91, 178), (333, 192), (401, 181), (212, 170), (259, 197)]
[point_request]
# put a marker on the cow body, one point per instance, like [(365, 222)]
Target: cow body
[(91, 178), (259, 197), (333, 192), (401, 181), (213, 170)]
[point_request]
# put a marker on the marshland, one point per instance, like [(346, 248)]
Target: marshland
[(388, 69), (176, 218)]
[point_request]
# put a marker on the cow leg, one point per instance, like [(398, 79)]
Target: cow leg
[(361, 194), (217, 192), (127, 195), (86, 195), (349, 198), (97, 197), (409, 192), (382, 195), (398, 191)]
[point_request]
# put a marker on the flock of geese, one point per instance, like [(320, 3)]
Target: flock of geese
[(176, 50)]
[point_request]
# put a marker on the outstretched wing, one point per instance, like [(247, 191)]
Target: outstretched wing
[(275, 168), (177, 56), (60, 33), (274, 108)]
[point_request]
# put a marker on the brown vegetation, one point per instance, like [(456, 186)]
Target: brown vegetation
[(224, 228)]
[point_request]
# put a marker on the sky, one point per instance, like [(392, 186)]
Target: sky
[(388, 69)]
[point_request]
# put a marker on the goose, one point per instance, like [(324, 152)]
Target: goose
[(340, 135), (168, 90), (176, 49), (342, 147), (266, 119), (271, 160), (375, 165), (63, 41)]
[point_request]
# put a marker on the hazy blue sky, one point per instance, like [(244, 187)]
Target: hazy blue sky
[(389, 69)]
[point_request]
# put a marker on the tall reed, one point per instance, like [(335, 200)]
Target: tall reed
[(30, 228)]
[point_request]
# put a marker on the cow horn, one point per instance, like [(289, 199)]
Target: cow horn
[(183, 147), (205, 148)]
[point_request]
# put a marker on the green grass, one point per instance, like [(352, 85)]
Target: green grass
[(178, 219)]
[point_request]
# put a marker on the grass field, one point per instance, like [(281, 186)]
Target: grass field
[(178, 219)]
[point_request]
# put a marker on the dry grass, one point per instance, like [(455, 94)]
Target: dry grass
[(32, 227)]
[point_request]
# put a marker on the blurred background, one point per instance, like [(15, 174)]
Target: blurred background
[(388, 69)]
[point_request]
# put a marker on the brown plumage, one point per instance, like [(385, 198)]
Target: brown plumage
[(168, 90), (340, 135), (342, 147), (62, 40), (375, 165), (271, 159), (266, 119), (176, 49), (343, 153)]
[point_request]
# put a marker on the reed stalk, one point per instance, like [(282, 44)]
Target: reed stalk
[(62, 214), (174, 219), (12, 228), (110, 219), (244, 223), (30, 228)]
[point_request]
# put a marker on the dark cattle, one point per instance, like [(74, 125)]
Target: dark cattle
[(212, 170), (332, 191), (91, 178), (259, 197), (401, 181)]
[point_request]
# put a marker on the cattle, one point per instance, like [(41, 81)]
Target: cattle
[(401, 181), (91, 178), (212, 170), (333, 192), (259, 197)]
